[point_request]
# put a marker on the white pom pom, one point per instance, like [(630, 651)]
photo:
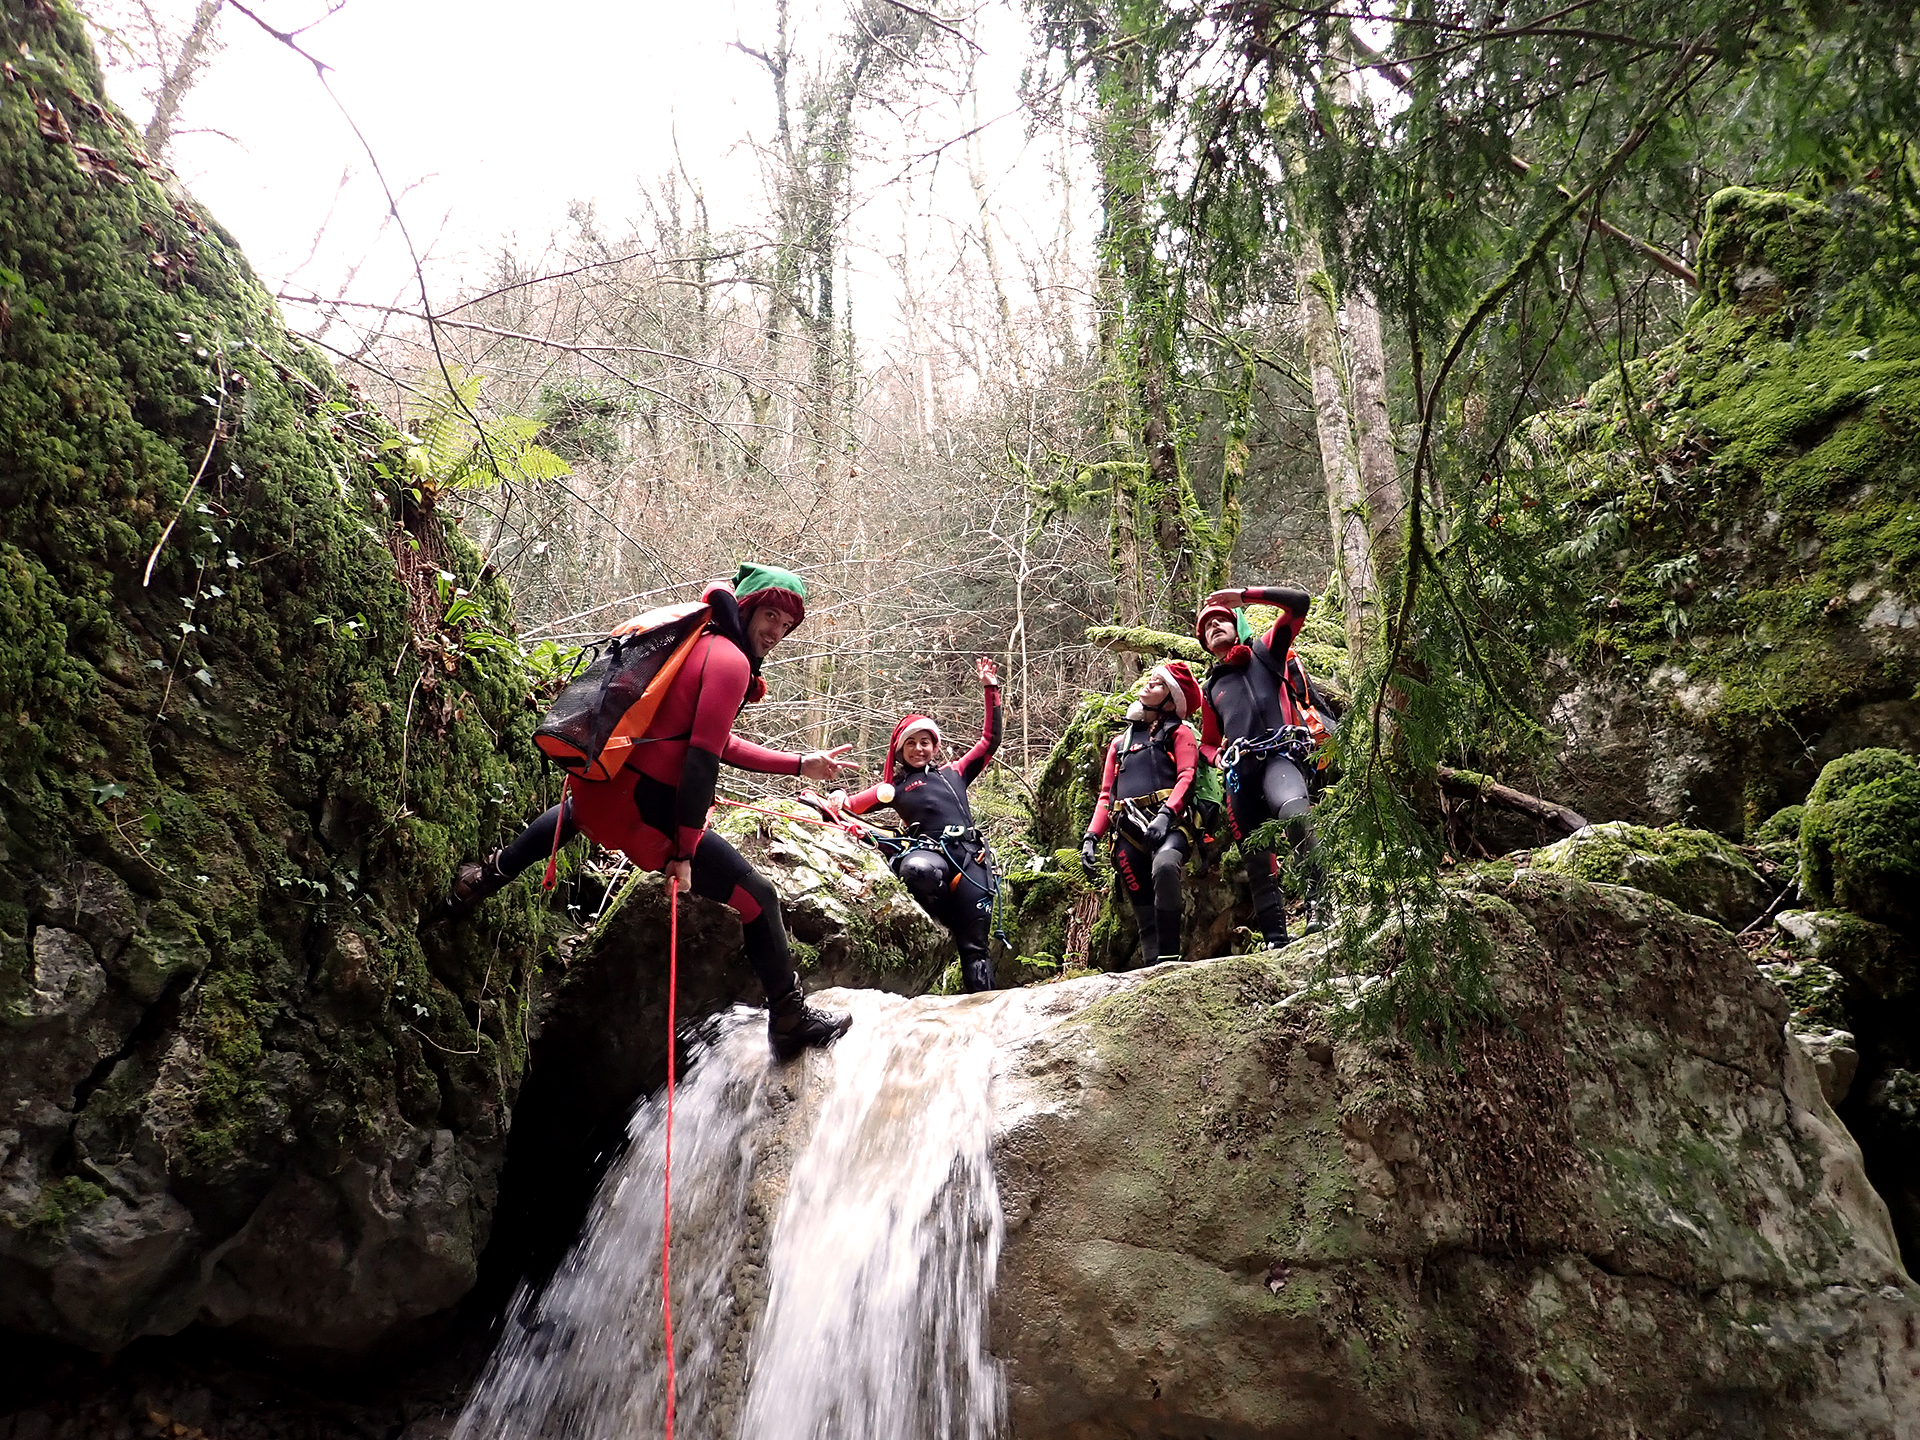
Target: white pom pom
[(884, 794)]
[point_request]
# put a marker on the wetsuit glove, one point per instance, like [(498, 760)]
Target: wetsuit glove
[(1160, 828), (1090, 856)]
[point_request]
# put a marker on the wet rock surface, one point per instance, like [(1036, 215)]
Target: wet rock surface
[(1629, 1212)]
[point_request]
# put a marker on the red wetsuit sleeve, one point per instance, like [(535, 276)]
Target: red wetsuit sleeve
[(1186, 758), (1211, 736), (975, 760), (1098, 826), (867, 799), (743, 754), (1293, 604), (723, 679)]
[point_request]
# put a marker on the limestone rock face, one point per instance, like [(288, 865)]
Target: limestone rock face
[(1629, 1212), (241, 1084)]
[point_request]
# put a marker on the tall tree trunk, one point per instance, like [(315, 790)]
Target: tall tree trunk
[(180, 77), (1339, 453), (1379, 468)]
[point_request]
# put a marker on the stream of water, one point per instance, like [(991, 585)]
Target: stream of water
[(836, 1228)]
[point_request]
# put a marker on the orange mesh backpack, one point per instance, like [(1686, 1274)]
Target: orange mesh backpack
[(601, 716)]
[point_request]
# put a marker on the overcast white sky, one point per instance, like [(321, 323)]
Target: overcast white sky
[(500, 115)]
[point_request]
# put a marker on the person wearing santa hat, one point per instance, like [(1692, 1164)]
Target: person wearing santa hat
[(655, 810), (1143, 798), (946, 866), (1250, 705)]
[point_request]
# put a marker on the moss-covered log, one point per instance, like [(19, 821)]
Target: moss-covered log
[(230, 791)]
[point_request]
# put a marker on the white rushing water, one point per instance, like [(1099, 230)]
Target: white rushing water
[(836, 1228)]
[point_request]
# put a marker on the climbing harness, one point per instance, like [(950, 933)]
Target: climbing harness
[(1290, 742), (666, 1177)]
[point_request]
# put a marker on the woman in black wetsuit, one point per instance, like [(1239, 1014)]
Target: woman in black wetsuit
[(1151, 767), (946, 864)]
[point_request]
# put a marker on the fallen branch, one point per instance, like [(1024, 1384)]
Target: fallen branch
[(1466, 785)]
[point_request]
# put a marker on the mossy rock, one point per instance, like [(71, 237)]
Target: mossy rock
[(1694, 869), (1759, 249), (240, 754), (1746, 501), (1860, 837)]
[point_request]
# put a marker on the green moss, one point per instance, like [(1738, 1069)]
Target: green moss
[(1762, 246), (1694, 869), (1860, 836), (1745, 507), (59, 1204), (1816, 992), (1154, 644), (275, 739)]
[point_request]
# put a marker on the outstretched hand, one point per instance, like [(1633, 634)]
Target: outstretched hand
[(825, 766), (1228, 599), (989, 676)]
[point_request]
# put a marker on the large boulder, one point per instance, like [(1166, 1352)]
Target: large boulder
[(1627, 1210), (1693, 869), (1741, 506), (239, 1083)]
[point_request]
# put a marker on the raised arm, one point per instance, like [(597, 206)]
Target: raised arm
[(975, 760), (1293, 605)]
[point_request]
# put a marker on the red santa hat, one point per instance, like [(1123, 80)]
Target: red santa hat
[(909, 725), (1181, 686)]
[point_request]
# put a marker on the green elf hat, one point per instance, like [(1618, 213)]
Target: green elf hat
[(756, 585)]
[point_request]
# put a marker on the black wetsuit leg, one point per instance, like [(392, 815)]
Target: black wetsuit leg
[(535, 843), (1247, 810), (722, 873), (1152, 884), (956, 900)]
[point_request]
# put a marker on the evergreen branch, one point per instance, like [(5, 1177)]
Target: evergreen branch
[(1646, 249), (1681, 80)]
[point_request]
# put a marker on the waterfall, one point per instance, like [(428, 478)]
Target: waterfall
[(836, 1228)]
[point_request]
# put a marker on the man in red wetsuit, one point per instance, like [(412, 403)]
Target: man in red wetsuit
[(1150, 772), (655, 810)]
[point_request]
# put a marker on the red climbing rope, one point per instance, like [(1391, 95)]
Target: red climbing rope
[(666, 1183), (559, 824)]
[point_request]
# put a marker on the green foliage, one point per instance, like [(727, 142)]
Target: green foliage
[(1860, 836), (453, 448)]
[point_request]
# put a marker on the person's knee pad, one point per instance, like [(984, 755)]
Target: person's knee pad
[(925, 875), (1166, 878), (1286, 790)]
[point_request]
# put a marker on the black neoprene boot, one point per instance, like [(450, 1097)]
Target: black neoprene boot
[(1166, 925), (473, 882), (793, 1025), (1272, 920)]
